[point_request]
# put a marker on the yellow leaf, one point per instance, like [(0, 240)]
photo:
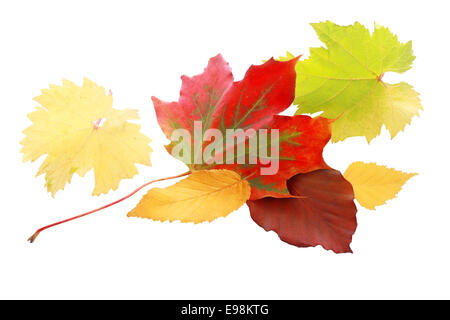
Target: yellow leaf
[(203, 196), (78, 130), (373, 185)]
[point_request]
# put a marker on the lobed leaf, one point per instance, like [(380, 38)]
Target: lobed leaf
[(252, 103), (68, 129), (344, 81)]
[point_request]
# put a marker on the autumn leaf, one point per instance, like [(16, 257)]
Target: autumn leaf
[(344, 81), (374, 184), (78, 130), (203, 196), (250, 104), (323, 214)]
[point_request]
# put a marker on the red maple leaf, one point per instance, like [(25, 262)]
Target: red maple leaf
[(323, 214), (213, 99)]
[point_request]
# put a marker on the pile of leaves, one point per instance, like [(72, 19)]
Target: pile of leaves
[(307, 203)]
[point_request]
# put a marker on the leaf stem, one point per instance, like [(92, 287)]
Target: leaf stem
[(34, 236)]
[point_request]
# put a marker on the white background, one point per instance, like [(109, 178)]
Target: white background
[(141, 48)]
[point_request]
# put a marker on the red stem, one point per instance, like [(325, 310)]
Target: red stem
[(34, 236), (97, 123)]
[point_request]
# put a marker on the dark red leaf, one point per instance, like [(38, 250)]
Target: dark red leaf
[(324, 214)]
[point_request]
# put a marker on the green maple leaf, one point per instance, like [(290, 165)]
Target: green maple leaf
[(344, 81)]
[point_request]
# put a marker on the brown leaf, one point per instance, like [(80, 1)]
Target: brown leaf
[(323, 214)]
